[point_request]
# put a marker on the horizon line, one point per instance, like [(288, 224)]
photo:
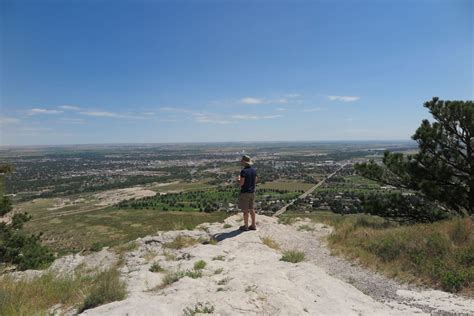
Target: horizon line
[(212, 142)]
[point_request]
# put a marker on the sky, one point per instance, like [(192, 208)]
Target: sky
[(82, 72)]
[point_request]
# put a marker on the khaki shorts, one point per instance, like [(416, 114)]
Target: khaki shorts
[(246, 201)]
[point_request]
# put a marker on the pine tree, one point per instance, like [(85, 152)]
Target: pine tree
[(439, 179)]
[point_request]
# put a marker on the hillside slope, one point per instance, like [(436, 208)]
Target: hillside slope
[(244, 276)]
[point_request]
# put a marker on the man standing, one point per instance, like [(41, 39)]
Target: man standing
[(247, 180)]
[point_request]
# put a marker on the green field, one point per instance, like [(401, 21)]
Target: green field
[(112, 226), (286, 185), (207, 200)]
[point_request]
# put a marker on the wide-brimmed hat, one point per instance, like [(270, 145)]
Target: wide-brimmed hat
[(246, 160)]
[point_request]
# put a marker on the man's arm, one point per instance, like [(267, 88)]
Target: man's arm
[(242, 181)]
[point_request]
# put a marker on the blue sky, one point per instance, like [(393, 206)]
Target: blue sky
[(186, 71)]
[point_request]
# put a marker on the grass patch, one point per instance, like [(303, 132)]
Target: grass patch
[(169, 256), (111, 226), (269, 242), (199, 308), (130, 246), (181, 242), (220, 258), (37, 295), (219, 271), (172, 277), (293, 256), (199, 265), (306, 227), (439, 255), (97, 246), (156, 267), (107, 288)]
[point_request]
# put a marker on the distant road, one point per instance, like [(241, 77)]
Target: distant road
[(311, 190)]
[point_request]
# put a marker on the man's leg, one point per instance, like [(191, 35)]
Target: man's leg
[(246, 218), (252, 215)]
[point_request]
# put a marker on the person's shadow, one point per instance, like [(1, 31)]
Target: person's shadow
[(222, 236)]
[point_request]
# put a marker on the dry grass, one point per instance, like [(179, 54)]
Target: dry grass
[(122, 249), (181, 242), (37, 295), (107, 287), (440, 255), (269, 242), (151, 254)]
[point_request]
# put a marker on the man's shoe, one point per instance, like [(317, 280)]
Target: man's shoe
[(244, 228), (252, 227)]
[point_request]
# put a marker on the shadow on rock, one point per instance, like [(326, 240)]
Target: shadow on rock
[(222, 236)]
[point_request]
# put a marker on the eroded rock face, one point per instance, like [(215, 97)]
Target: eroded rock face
[(243, 276)]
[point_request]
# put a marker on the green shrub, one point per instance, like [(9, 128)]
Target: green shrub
[(23, 250), (199, 265), (387, 248), (156, 267), (107, 288), (97, 246), (452, 280), (172, 277), (193, 274), (293, 256)]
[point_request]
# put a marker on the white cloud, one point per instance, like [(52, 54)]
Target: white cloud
[(100, 114), (292, 95), (69, 107), (8, 120), (245, 117), (316, 109), (36, 111), (210, 119), (343, 98), (73, 120), (266, 117), (112, 115), (255, 117), (251, 100), (280, 109)]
